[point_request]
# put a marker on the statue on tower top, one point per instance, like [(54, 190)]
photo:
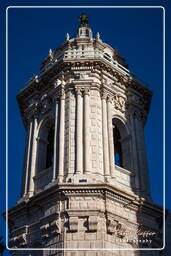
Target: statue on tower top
[(83, 20)]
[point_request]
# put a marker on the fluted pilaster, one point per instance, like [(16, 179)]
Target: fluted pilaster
[(86, 131), (79, 133), (61, 136), (105, 136), (110, 132), (28, 156), (33, 157), (55, 141)]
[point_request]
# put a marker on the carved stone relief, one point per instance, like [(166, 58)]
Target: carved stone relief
[(119, 102), (45, 103)]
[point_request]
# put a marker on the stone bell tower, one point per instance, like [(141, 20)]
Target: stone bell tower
[(85, 179)]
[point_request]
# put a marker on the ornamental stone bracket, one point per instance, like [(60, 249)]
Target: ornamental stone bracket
[(19, 237), (114, 227), (73, 224), (50, 225), (51, 228), (111, 226), (18, 241), (92, 223)]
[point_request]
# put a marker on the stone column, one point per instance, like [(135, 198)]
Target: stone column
[(55, 141), (86, 131), (61, 136), (134, 153), (28, 157), (110, 132), (79, 133), (33, 157), (105, 136), (142, 159)]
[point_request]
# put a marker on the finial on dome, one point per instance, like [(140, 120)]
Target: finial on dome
[(98, 36), (83, 20), (67, 37), (50, 53)]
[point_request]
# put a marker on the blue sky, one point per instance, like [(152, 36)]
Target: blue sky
[(137, 33)]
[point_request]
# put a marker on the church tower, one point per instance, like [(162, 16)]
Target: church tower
[(85, 178)]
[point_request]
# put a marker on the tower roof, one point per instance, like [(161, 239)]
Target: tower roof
[(81, 53)]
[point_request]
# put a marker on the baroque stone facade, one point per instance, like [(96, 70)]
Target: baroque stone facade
[(85, 178)]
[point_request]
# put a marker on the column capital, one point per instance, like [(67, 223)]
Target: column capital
[(78, 91), (87, 91), (109, 98), (104, 95), (62, 94), (56, 97)]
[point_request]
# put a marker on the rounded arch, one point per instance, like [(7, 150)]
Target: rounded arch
[(45, 148), (46, 122), (122, 143), (122, 125)]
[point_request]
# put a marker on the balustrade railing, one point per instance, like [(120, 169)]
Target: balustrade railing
[(82, 54)]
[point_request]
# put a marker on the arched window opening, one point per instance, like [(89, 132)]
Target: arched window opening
[(50, 148), (45, 151), (117, 146)]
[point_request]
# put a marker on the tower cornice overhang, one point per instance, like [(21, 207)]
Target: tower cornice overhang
[(64, 191), (67, 68)]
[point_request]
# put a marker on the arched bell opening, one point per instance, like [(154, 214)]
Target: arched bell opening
[(45, 149), (117, 146), (122, 144)]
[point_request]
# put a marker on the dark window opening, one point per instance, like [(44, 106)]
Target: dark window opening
[(87, 32), (50, 148), (107, 56), (117, 146)]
